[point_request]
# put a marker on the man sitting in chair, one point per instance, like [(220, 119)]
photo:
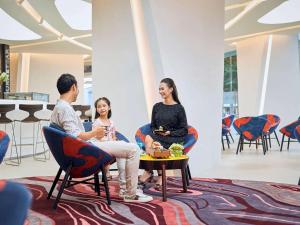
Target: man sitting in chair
[(64, 116)]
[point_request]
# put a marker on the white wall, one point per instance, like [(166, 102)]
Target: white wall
[(283, 93), (251, 58), (116, 68), (282, 86), (45, 69), (187, 43)]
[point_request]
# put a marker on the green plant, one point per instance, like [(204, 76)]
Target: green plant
[(3, 77)]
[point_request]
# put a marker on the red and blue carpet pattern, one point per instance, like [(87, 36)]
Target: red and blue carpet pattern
[(208, 201)]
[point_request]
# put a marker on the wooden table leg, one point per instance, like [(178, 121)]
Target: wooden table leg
[(164, 183), (184, 177)]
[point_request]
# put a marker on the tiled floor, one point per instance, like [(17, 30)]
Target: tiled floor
[(251, 164)]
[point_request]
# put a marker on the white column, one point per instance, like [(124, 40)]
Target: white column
[(268, 76), (145, 55), (23, 72), (116, 68), (187, 38)]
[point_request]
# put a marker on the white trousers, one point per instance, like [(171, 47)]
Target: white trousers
[(128, 159)]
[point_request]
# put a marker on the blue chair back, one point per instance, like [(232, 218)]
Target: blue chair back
[(297, 133), (273, 119), (88, 125), (141, 134), (227, 121), (251, 128), (15, 200), (4, 142), (190, 139), (86, 159), (289, 130)]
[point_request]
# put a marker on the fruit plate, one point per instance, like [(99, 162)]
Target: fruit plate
[(161, 154)]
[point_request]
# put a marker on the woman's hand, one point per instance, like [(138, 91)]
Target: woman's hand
[(165, 133)]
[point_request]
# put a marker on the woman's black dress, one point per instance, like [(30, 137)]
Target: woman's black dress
[(172, 118)]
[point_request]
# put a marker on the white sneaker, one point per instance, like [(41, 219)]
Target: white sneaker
[(138, 198), (122, 193), (139, 191)]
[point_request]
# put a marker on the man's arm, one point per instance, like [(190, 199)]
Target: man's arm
[(97, 132), (67, 120)]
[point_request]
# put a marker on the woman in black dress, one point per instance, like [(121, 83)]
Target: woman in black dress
[(169, 118)]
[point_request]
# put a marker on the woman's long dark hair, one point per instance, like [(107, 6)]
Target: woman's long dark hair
[(107, 102), (171, 84)]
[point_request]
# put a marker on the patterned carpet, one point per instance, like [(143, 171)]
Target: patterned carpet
[(208, 201)]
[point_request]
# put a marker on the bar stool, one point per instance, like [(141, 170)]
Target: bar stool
[(50, 107), (4, 109), (83, 109), (31, 109)]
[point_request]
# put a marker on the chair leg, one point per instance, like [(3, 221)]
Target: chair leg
[(288, 147), (222, 143), (239, 143), (250, 144), (106, 185), (20, 142), (263, 141), (62, 187), (242, 145), (277, 138), (69, 181), (189, 172), (187, 180), (39, 130), (256, 144), (231, 137), (54, 183), (299, 181), (270, 141), (97, 183), (282, 142), (14, 143), (227, 139)]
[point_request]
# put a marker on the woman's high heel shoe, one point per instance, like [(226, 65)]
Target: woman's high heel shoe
[(147, 180), (158, 184)]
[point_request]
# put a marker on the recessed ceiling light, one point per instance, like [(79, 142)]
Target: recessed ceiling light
[(11, 29), (287, 12), (76, 13)]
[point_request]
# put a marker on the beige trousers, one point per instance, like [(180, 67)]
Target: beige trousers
[(128, 154)]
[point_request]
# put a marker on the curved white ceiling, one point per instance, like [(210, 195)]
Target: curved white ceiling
[(11, 29), (287, 12), (76, 13)]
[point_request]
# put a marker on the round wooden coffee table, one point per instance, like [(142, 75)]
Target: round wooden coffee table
[(149, 163)]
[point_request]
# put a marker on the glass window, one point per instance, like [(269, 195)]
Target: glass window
[(230, 98)]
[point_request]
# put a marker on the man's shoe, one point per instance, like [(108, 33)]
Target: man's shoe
[(138, 198), (122, 193)]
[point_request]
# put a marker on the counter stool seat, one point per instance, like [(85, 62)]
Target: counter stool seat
[(31, 118)]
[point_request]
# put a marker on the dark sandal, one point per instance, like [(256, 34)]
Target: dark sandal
[(158, 187), (148, 180)]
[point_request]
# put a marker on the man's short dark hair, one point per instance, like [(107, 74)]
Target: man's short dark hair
[(65, 82)]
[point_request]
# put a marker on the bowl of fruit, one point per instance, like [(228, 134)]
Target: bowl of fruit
[(176, 149)]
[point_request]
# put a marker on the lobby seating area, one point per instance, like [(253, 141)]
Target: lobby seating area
[(111, 112)]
